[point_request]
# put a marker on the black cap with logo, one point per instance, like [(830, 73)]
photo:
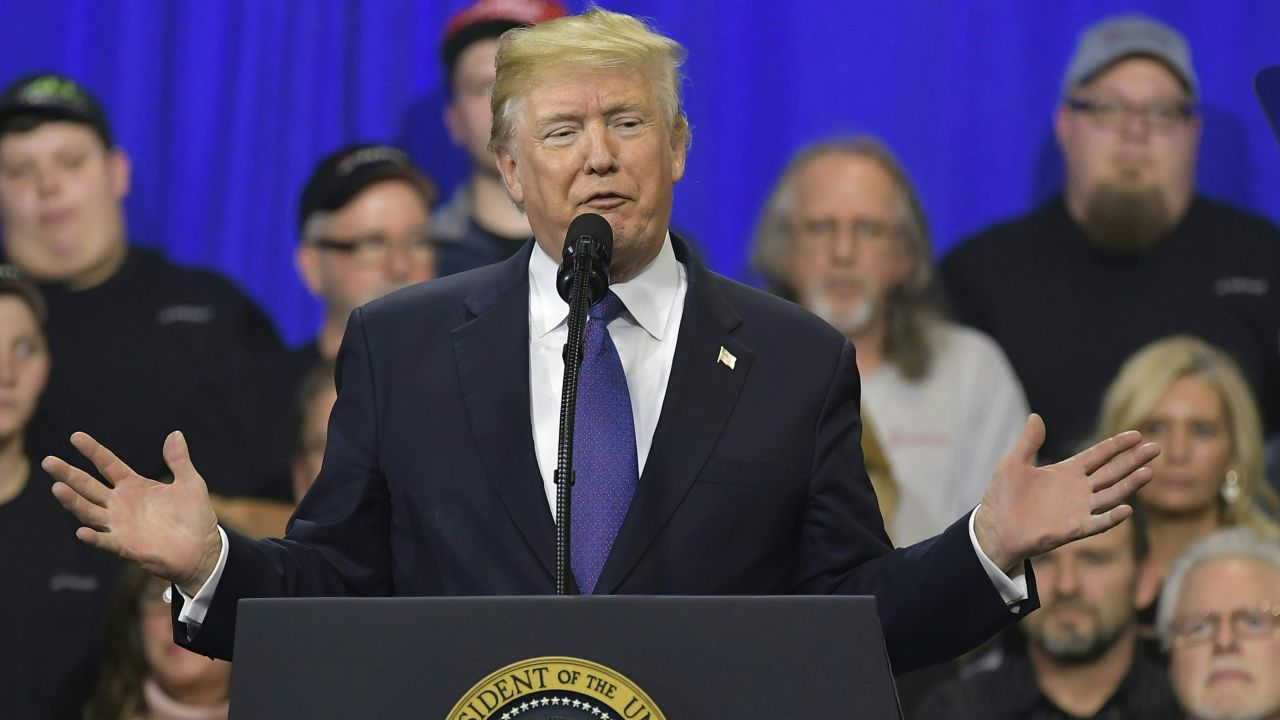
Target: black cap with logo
[(55, 97), (344, 174)]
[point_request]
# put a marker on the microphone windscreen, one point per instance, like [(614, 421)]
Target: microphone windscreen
[(597, 227)]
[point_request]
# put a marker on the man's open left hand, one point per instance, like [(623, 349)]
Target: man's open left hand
[(1028, 510)]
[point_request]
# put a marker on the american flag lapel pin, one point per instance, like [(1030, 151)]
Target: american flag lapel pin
[(726, 358)]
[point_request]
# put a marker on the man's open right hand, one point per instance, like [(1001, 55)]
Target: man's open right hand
[(168, 528)]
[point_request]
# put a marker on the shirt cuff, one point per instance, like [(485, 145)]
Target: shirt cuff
[(195, 608), (1012, 588)]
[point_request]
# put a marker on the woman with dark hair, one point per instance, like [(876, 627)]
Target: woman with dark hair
[(144, 675)]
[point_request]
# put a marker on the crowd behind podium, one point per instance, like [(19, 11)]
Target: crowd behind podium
[(1173, 613)]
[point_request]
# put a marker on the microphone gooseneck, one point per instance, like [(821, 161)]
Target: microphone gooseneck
[(582, 280)]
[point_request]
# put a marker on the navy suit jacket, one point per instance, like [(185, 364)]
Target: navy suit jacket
[(754, 483)]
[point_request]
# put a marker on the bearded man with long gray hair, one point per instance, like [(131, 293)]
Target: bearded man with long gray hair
[(844, 235)]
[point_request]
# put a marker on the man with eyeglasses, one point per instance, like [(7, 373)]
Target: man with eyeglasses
[(364, 217), (1217, 618), (844, 235), (1129, 252)]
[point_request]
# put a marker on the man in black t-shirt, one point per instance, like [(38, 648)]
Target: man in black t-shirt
[(141, 346), (1129, 252), (479, 225), (1078, 656)]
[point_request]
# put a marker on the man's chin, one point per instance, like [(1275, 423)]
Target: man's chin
[(1125, 218), (1071, 642), (849, 318), (1231, 703)]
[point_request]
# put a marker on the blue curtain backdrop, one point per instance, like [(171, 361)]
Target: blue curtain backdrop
[(225, 106)]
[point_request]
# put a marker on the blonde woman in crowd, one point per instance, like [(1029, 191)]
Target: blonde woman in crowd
[(1192, 399)]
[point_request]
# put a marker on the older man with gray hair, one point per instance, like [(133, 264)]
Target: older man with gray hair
[(844, 234), (1217, 618)]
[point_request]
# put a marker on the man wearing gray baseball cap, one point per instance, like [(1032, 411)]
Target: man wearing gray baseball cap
[(1128, 247)]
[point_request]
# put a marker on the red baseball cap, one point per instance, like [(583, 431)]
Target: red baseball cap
[(489, 19)]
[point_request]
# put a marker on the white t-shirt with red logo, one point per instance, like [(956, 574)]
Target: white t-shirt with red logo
[(945, 433)]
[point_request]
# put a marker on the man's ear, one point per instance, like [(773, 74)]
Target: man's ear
[(678, 154), (307, 260), (1196, 126), (507, 168), (1061, 127), (120, 168)]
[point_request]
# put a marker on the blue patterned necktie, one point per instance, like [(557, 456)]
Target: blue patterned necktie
[(604, 448)]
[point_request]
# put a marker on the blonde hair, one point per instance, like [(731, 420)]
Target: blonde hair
[(596, 39), (1148, 374)]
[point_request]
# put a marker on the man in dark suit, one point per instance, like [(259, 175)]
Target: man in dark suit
[(741, 427)]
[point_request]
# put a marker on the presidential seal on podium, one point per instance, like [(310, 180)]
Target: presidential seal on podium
[(555, 688)]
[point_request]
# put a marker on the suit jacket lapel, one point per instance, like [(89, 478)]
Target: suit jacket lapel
[(701, 394), (492, 353)]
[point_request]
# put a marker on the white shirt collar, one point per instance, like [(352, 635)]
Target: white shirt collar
[(649, 296)]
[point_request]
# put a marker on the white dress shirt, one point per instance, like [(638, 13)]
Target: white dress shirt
[(645, 335)]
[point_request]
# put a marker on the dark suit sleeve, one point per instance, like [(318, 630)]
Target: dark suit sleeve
[(337, 542), (935, 599)]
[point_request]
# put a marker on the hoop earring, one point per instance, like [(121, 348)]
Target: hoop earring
[(1230, 489)]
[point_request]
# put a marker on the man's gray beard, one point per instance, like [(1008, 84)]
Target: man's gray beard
[(1077, 649), (1126, 222), (850, 320)]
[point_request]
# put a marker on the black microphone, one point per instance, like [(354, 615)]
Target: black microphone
[(582, 280), (589, 246)]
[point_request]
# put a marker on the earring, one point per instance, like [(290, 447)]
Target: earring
[(1231, 488)]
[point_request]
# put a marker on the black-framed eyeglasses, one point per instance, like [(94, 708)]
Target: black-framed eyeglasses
[(1109, 114), (1246, 623), (374, 249)]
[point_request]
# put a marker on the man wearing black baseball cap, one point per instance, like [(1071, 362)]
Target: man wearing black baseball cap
[(479, 224), (363, 218), (364, 224), (76, 239), (135, 342)]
